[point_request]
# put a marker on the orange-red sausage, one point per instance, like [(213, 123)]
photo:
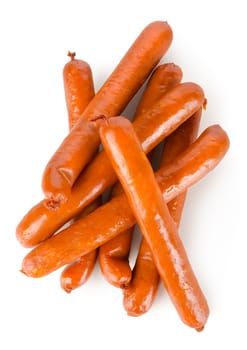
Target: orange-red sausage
[(164, 78), (78, 87), (152, 215), (78, 272), (79, 91), (139, 294), (110, 219), (114, 255), (78, 147), (170, 111)]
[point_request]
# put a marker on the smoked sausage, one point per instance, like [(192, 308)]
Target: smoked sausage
[(170, 111), (139, 294), (77, 273), (78, 147), (114, 255), (152, 215), (110, 219), (78, 87), (79, 91)]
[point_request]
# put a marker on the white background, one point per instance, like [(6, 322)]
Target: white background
[(210, 46)]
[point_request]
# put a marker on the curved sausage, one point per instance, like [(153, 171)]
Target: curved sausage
[(139, 294), (170, 111), (78, 272), (114, 255), (151, 212), (78, 87), (78, 147), (79, 91), (165, 77), (110, 219)]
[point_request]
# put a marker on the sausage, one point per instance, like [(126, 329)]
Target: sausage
[(115, 216), (175, 144), (152, 215), (78, 272), (79, 91), (170, 111), (164, 78), (78, 147), (114, 255), (139, 294), (78, 87)]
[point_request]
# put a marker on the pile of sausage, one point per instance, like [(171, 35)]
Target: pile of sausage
[(72, 226)]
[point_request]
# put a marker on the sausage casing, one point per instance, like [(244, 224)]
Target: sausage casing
[(114, 255), (170, 111), (77, 148), (110, 219), (139, 294), (157, 226)]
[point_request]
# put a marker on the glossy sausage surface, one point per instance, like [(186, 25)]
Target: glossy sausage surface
[(156, 224), (114, 255), (139, 294), (77, 148), (78, 272), (170, 111), (79, 91), (78, 87), (165, 77), (75, 274), (112, 218)]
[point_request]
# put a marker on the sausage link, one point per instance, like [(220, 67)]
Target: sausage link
[(170, 111), (151, 212), (78, 87), (114, 255), (174, 145), (114, 259), (78, 147), (78, 272), (79, 91), (164, 78), (115, 216), (139, 294)]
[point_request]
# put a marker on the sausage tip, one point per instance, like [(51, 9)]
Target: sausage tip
[(71, 55), (66, 285)]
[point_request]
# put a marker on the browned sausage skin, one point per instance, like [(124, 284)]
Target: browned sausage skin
[(139, 294), (170, 111), (114, 255), (77, 273), (110, 219), (78, 87), (80, 145), (79, 91), (152, 215)]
